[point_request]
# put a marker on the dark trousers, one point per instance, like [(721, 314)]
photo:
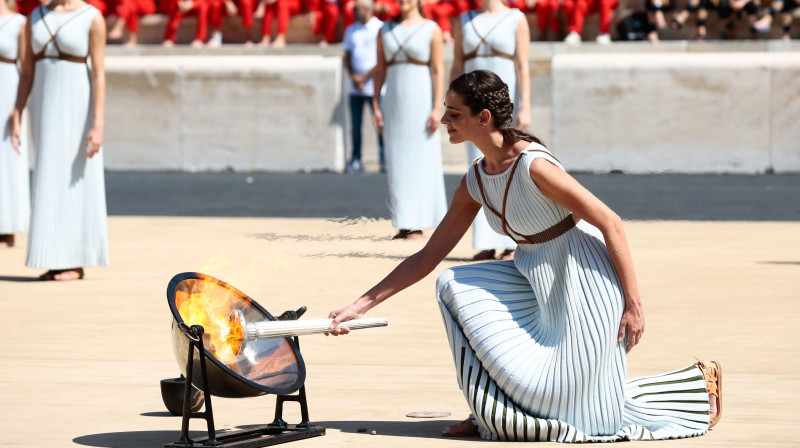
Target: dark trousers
[(356, 117)]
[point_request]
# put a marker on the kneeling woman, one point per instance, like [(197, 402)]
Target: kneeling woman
[(540, 342)]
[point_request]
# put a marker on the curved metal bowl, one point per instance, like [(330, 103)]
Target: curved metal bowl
[(267, 366)]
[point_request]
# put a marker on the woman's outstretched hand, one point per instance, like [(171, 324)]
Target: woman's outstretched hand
[(632, 323), (341, 315)]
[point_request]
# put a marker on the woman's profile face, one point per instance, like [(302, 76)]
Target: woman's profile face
[(458, 119)]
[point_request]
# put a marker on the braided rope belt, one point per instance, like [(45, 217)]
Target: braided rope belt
[(551, 232)]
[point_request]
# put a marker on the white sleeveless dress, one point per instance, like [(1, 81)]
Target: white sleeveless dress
[(14, 178), (535, 339), (500, 31), (413, 157), (68, 223)]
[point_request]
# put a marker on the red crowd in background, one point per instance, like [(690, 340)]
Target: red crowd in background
[(328, 18)]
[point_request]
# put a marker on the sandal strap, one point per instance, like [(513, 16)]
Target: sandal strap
[(711, 376)]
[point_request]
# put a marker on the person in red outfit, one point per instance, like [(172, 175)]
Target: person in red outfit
[(546, 15), (287, 9), (26, 7), (128, 13), (105, 7), (576, 12), (180, 9), (326, 20), (384, 10), (266, 10), (219, 8), (440, 11)]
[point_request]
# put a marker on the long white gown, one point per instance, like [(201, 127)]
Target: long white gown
[(413, 156), (534, 340), (499, 34), (68, 223), (15, 199)]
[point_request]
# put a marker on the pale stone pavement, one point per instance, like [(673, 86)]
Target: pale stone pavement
[(82, 360)]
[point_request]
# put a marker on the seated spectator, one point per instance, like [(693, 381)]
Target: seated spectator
[(576, 12), (546, 16), (183, 8), (266, 10), (730, 10), (106, 8), (287, 9), (441, 11), (784, 8), (698, 7), (26, 7), (326, 21), (128, 13), (382, 9), (219, 8)]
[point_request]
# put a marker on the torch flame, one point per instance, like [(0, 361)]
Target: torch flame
[(206, 303)]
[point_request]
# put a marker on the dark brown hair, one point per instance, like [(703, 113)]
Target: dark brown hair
[(483, 89)]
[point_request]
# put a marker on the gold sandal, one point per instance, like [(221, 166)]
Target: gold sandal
[(467, 428), (712, 373)]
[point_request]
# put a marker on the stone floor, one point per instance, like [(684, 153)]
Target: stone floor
[(82, 360)]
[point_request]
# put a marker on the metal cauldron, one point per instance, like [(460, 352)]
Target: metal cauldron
[(269, 366)]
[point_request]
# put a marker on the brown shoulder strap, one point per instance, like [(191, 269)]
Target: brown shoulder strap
[(53, 35), (483, 38), (401, 48), (502, 214)]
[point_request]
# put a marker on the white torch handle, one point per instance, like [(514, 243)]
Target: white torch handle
[(286, 328)]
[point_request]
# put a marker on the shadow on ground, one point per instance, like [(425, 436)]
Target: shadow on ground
[(428, 429)]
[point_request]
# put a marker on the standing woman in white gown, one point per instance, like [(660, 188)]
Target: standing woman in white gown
[(411, 65), (68, 222), (14, 183), (494, 38)]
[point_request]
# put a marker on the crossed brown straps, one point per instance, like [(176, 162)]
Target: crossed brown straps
[(544, 236), (401, 49), (474, 54), (2, 59), (61, 55)]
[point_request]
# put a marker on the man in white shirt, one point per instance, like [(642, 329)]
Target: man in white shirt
[(360, 57)]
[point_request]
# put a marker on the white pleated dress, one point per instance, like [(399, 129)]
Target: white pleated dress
[(413, 157), (535, 339), (68, 223), (15, 202), (499, 33)]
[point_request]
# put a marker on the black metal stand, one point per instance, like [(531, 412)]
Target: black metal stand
[(276, 432)]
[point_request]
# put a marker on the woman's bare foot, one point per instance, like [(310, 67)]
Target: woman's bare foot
[(197, 43), (464, 429), (168, 43), (712, 373), (116, 31), (405, 234), (280, 41), (265, 41), (6, 241)]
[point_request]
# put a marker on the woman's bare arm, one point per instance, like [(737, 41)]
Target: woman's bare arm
[(458, 219), (97, 52)]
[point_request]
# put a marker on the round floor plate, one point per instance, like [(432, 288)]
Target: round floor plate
[(428, 414)]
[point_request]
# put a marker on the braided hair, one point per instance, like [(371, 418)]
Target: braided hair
[(483, 89)]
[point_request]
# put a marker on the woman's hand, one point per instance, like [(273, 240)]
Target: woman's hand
[(523, 120), (16, 131), (341, 315), (94, 141), (433, 121), (377, 118), (632, 323)]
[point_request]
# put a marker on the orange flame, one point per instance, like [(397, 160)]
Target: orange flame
[(206, 303)]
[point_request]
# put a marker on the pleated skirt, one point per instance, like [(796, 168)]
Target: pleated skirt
[(522, 383), (68, 221), (14, 175), (413, 157)]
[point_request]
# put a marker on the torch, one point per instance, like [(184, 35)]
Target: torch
[(241, 332)]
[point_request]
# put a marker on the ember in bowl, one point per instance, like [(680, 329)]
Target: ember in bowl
[(264, 366)]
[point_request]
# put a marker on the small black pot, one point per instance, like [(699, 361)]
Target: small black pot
[(172, 393)]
